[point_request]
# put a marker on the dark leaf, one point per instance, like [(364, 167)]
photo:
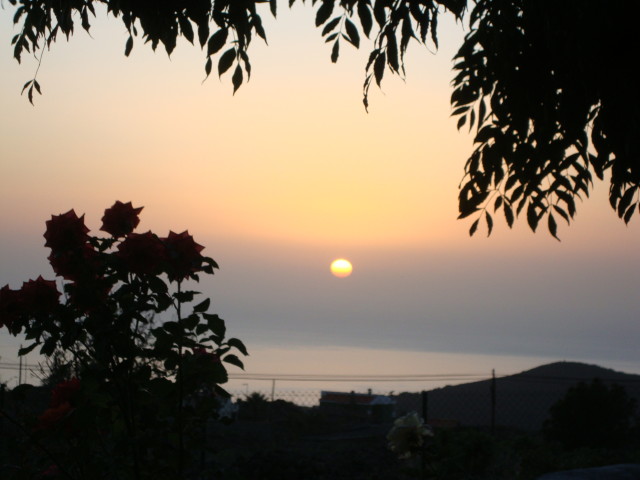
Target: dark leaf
[(184, 297), (553, 227), (247, 67), (234, 360), (157, 285), (201, 329), (331, 37), (434, 27), (25, 350), (625, 201), (474, 227), (532, 217), (560, 211), (216, 324), (352, 32), (335, 51), (186, 28), (392, 51), (515, 195), (508, 214), (379, 13), (460, 110), (48, 347), (85, 20), (629, 214), (217, 41), (274, 7), (486, 133), (511, 181), (498, 203), (129, 46), (330, 26), (237, 78), (226, 60), (365, 17), (481, 113), (191, 322), (257, 24), (202, 306), (466, 212), (203, 33), (234, 342), (489, 222), (208, 66), (378, 67), (324, 12)]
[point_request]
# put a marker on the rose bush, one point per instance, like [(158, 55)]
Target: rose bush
[(147, 359)]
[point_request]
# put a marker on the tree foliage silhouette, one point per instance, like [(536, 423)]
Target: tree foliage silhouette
[(547, 86), (592, 415)]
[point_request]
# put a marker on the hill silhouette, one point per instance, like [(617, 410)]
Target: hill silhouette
[(522, 401)]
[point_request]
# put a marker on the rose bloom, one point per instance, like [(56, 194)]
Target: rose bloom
[(183, 255), (121, 219), (66, 232), (51, 472), (40, 295), (202, 352), (53, 415), (65, 392), (10, 306), (71, 265), (142, 253)]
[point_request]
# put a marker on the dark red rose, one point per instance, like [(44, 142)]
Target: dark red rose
[(183, 255), (65, 392), (52, 471), (53, 415), (66, 232), (142, 253), (63, 402), (203, 352), (121, 219), (72, 264), (10, 306), (40, 295)]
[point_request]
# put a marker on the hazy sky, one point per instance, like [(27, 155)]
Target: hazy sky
[(291, 173)]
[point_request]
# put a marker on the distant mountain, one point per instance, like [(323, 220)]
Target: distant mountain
[(522, 400)]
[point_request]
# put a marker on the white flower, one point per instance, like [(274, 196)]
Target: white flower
[(407, 435)]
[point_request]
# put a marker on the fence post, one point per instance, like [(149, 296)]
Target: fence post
[(493, 401), (425, 405), (273, 389)]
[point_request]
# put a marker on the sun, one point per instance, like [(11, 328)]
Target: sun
[(341, 268)]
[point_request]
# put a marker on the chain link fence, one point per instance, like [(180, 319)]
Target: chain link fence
[(519, 402)]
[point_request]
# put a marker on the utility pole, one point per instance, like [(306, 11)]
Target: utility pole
[(493, 401), (20, 369)]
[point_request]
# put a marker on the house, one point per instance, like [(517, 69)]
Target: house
[(361, 406)]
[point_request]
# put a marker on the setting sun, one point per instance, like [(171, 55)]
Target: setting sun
[(341, 268)]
